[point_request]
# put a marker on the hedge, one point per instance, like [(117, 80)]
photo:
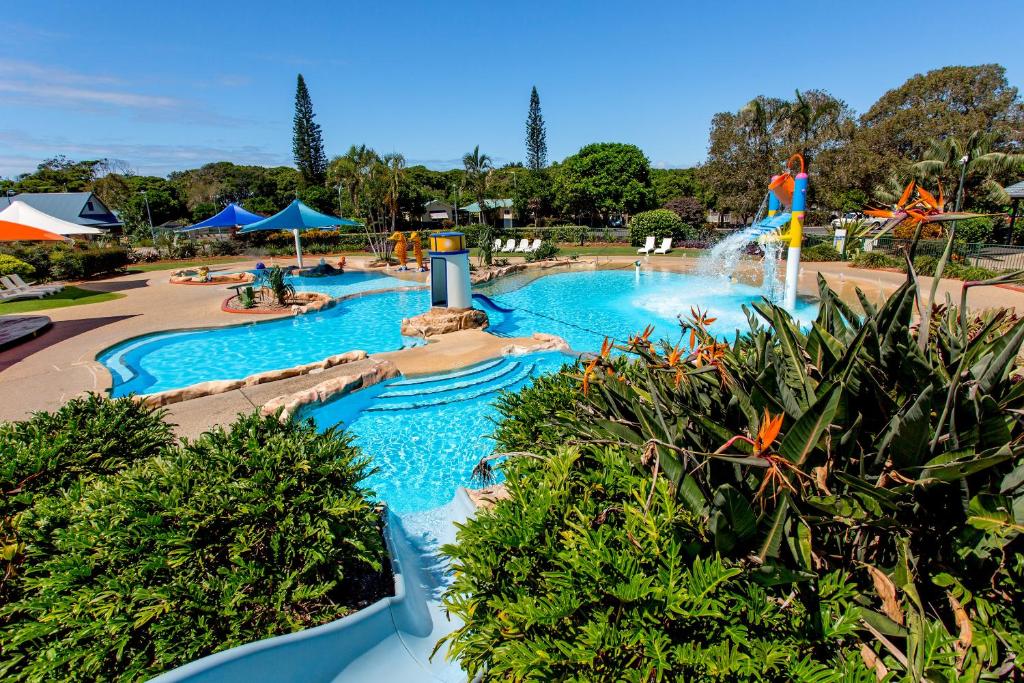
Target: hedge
[(69, 263), (146, 554), (659, 223)]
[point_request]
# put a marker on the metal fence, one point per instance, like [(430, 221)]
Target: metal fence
[(992, 256)]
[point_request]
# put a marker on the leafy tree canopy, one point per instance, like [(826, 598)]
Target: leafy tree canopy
[(604, 179)]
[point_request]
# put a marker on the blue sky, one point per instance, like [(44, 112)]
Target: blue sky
[(165, 86)]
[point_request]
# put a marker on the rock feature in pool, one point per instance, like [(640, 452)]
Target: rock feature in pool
[(289, 404), (301, 303), (163, 398), (444, 320), (201, 276)]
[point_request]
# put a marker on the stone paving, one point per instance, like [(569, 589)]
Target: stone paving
[(60, 364)]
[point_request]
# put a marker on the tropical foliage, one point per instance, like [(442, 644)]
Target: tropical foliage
[(141, 555), (832, 502)]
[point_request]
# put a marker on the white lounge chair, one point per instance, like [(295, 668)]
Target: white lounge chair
[(8, 293), (21, 284), (666, 246), (510, 246), (11, 286), (524, 246), (497, 245), (648, 246), (535, 246)]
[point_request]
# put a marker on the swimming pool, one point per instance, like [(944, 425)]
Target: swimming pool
[(426, 434), (585, 306), (170, 360), (351, 282)]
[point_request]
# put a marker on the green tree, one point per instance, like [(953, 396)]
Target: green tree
[(352, 171), (954, 101), (536, 135), (603, 180), (478, 174), (307, 138), (394, 168)]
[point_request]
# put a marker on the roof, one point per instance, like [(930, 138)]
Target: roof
[(489, 204), (230, 216), (20, 212), (1016, 191), (297, 216), (68, 206)]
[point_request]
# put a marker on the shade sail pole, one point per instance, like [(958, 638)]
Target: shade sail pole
[(298, 246)]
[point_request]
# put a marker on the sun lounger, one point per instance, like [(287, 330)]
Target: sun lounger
[(510, 246), (8, 293), (21, 284), (648, 246), (666, 246), (497, 245), (524, 246), (11, 286), (535, 246)]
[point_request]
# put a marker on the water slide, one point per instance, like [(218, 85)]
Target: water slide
[(391, 640), (488, 301)]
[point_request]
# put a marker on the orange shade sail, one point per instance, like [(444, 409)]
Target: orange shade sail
[(16, 232)]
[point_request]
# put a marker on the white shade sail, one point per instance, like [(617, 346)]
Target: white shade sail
[(20, 212)]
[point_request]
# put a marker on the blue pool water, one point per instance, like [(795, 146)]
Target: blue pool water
[(585, 306), (170, 360), (351, 282), (426, 434)]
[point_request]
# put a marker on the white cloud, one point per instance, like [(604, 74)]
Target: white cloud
[(148, 159), (62, 94)]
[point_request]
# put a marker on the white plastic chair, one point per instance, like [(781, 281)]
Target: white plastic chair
[(536, 245), (510, 246), (497, 244), (524, 246), (648, 246), (666, 246)]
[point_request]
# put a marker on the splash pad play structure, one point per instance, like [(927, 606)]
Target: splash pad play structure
[(779, 221)]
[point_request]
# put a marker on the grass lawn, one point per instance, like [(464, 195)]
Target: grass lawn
[(69, 296), (175, 265)]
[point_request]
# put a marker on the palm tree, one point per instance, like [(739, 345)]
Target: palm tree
[(953, 156), (975, 156), (478, 170), (352, 172), (808, 116), (394, 166)]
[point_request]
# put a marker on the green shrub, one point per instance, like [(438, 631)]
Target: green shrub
[(825, 493), (926, 265), (820, 252), (75, 264), (978, 229), (659, 223), (53, 452), (571, 234), (10, 265), (875, 259), (545, 251), (242, 534)]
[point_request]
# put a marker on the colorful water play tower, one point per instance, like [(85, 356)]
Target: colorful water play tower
[(449, 271), (788, 194)]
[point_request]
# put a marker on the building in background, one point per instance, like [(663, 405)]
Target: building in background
[(81, 208)]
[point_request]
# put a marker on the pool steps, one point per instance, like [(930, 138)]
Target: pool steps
[(444, 377), (490, 384), (497, 374)]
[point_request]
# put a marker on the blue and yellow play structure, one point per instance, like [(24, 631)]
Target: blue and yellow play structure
[(787, 205)]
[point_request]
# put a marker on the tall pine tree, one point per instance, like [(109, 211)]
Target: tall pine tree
[(307, 139), (536, 136)]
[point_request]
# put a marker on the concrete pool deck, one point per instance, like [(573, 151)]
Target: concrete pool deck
[(45, 372)]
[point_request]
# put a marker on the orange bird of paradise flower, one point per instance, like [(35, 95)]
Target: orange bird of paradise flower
[(922, 208)]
